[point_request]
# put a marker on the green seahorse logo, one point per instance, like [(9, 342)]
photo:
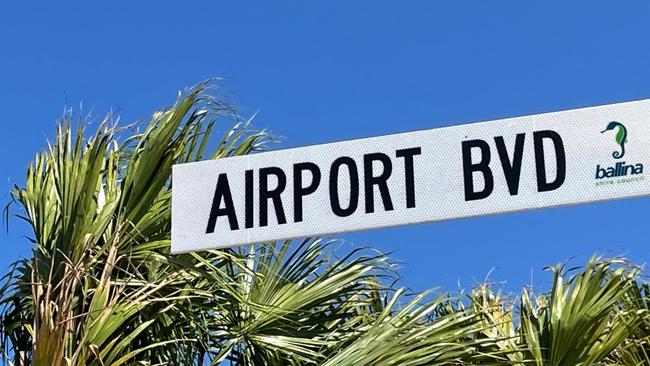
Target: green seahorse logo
[(621, 137)]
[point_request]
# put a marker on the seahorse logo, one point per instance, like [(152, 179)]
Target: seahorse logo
[(621, 137)]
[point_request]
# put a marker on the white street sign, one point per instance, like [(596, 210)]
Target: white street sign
[(547, 160)]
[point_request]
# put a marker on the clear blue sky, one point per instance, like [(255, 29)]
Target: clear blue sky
[(324, 71)]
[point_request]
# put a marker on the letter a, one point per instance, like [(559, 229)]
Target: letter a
[(222, 193)]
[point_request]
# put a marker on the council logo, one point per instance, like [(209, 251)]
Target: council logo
[(620, 137), (619, 172)]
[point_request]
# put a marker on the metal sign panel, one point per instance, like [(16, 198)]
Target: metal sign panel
[(547, 160)]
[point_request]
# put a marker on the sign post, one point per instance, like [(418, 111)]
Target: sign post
[(547, 160)]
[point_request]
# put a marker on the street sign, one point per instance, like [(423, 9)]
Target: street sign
[(547, 160)]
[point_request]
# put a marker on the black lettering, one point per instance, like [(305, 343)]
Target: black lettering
[(299, 191), (512, 171), (540, 165), (249, 199), (354, 186), (380, 181), (409, 180), (222, 193), (274, 195), (483, 166)]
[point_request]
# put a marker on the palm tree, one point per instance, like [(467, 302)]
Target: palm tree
[(101, 288)]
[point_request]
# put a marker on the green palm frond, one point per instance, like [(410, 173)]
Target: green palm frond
[(417, 333), (294, 301), (579, 322), (100, 287)]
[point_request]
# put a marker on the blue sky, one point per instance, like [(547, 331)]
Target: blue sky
[(325, 71)]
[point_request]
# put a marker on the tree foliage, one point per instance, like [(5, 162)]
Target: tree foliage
[(101, 288)]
